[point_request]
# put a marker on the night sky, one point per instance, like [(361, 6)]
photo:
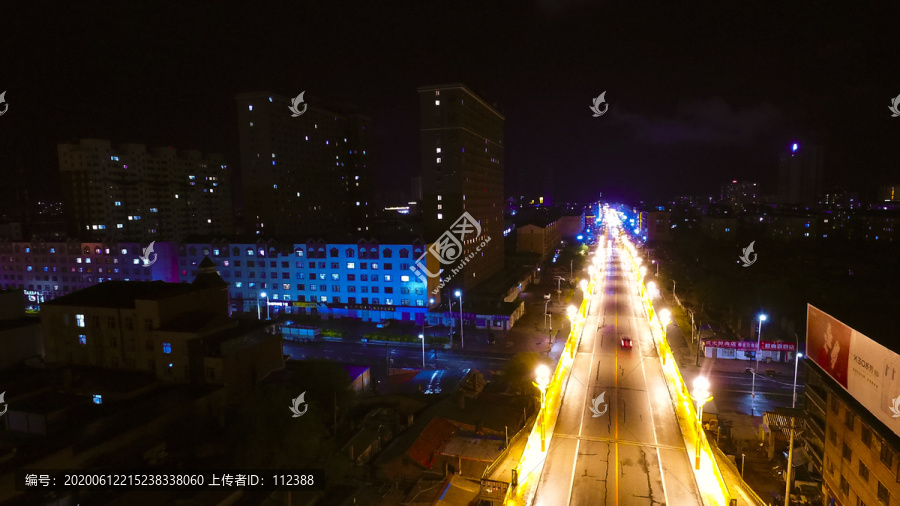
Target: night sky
[(699, 95)]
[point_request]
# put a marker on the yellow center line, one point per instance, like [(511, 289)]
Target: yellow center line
[(616, 374)]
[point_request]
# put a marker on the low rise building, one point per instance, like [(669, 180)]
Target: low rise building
[(539, 236)]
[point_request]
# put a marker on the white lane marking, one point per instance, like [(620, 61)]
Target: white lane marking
[(587, 389)]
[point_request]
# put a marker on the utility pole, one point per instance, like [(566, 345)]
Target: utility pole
[(787, 473)]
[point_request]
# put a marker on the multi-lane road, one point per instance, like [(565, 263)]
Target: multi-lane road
[(378, 356), (633, 451)]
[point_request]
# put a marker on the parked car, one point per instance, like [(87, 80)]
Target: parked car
[(546, 296), (384, 324), (626, 342)]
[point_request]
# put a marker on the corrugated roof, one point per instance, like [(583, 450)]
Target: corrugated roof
[(431, 440)]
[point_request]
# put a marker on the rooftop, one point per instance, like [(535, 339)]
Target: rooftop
[(121, 294)]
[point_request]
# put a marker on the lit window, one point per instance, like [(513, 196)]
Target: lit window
[(114, 158), (440, 216), (439, 160), (136, 261), (437, 102), (439, 197), (404, 278), (440, 207), (270, 99), (438, 150), (97, 399), (323, 298), (82, 339), (79, 320), (118, 203), (351, 265), (167, 348), (251, 107)]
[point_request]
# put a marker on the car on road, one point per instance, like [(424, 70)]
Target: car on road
[(546, 296), (626, 342), (384, 324)]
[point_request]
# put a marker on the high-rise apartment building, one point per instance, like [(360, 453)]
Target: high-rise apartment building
[(800, 175), (129, 193), (462, 171), (306, 174), (740, 195)]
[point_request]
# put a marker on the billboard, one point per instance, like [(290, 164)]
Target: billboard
[(868, 371)]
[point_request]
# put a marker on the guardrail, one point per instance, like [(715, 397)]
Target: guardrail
[(533, 457), (710, 481)]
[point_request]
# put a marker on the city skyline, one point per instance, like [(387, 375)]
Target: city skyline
[(710, 115)]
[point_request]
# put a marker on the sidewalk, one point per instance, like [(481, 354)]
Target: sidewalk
[(744, 428)]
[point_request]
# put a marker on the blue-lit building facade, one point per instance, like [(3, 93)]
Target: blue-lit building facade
[(46, 270), (365, 280)]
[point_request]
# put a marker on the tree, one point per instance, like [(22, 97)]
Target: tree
[(519, 371)]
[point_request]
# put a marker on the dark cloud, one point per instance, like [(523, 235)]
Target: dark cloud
[(708, 121)]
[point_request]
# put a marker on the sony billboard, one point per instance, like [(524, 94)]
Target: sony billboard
[(867, 370)]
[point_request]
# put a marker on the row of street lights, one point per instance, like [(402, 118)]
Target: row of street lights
[(701, 393), (542, 372)]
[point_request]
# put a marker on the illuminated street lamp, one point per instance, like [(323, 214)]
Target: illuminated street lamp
[(701, 396), (462, 341), (665, 317), (657, 267), (652, 290), (422, 337), (542, 380), (762, 318), (263, 294)]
